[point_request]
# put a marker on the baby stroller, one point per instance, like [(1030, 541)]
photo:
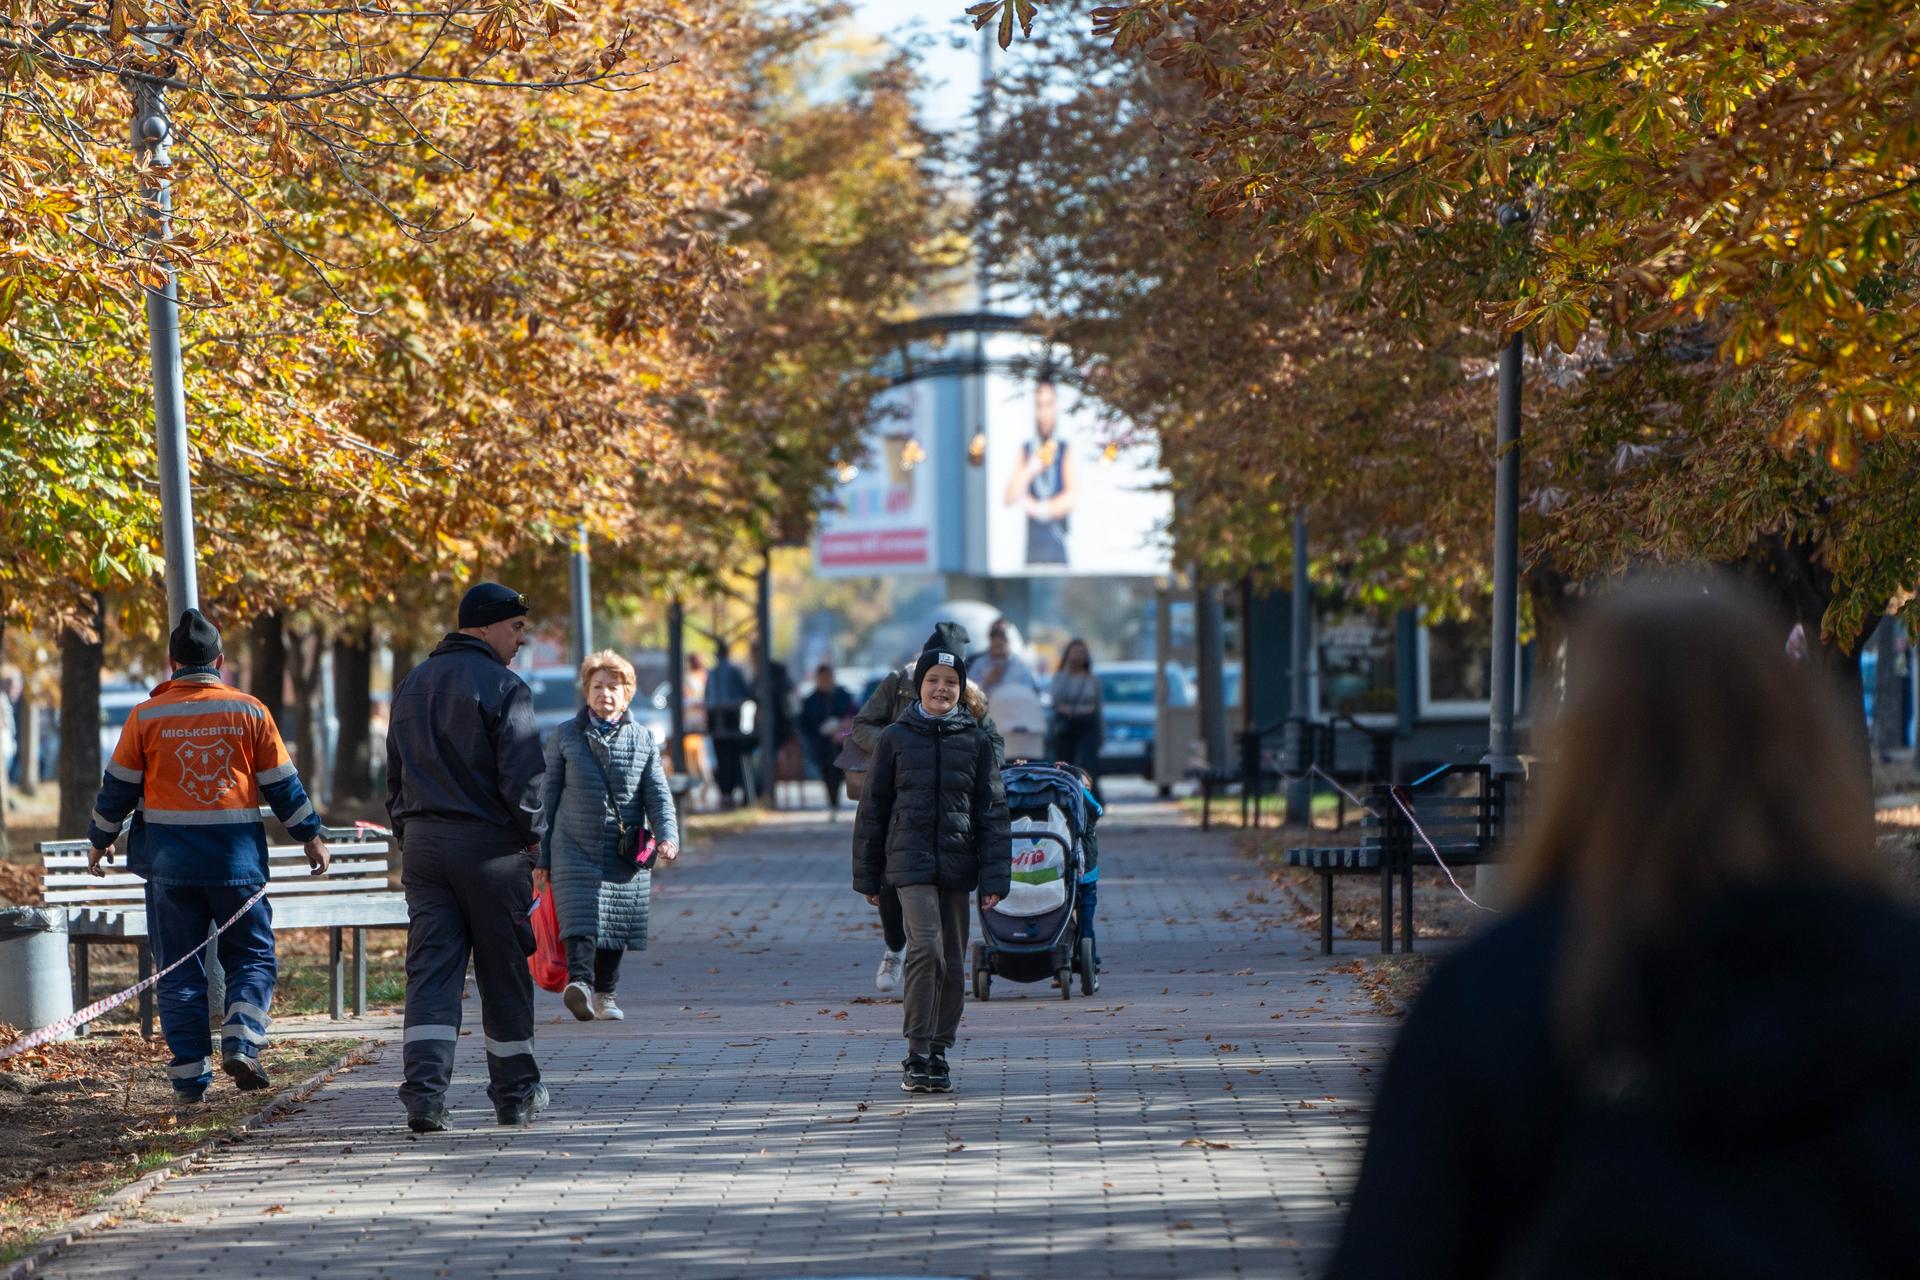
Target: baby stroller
[(1033, 934)]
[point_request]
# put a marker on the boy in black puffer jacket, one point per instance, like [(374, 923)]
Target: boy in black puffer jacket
[(933, 826)]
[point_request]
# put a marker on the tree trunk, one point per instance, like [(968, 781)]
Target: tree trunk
[(267, 663), (5, 763), (1554, 602), (405, 659), (304, 652), (1889, 718), (82, 652), (353, 707)]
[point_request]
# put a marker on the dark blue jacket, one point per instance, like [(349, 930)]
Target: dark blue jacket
[(462, 745)]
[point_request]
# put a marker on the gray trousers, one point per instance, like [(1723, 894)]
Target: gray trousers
[(935, 990), (469, 890)]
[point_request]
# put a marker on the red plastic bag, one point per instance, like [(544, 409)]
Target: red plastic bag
[(549, 959)]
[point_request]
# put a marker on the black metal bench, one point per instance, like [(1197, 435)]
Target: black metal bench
[(1466, 830), (1339, 748)]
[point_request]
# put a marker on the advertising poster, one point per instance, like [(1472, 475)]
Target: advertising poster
[(884, 521), (1062, 499)]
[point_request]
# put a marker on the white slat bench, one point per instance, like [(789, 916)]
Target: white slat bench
[(111, 910)]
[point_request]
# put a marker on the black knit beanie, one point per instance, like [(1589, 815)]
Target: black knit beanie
[(931, 658), (195, 642)]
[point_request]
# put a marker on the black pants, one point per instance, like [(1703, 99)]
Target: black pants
[(1077, 741), (893, 922), (824, 753), (469, 889), (723, 730), (599, 967)]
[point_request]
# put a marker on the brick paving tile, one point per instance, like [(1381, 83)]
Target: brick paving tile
[(746, 1120)]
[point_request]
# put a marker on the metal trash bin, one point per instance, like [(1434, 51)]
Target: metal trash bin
[(36, 981)]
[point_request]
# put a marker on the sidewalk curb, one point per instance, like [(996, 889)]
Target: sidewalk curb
[(129, 1197)]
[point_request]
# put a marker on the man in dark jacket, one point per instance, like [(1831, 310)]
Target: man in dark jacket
[(464, 767), (823, 715), (727, 693), (933, 827), (889, 701)]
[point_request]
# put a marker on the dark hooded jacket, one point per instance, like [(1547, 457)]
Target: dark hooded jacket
[(1760, 1119), (462, 745), (934, 810)]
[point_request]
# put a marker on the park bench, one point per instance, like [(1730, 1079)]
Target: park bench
[(353, 895), (1466, 828), (1340, 748)]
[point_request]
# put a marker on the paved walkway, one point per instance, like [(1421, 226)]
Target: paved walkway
[(1197, 1117)]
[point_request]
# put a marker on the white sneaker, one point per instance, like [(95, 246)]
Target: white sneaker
[(887, 977), (605, 1009), (578, 997)]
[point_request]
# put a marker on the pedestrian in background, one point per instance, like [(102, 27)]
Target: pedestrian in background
[(464, 769), (890, 700), (1078, 727), (825, 713), (695, 747), (605, 784), (933, 827), (1692, 1049), (193, 764), (726, 694)]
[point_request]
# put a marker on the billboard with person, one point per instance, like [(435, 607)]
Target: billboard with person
[(1065, 495)]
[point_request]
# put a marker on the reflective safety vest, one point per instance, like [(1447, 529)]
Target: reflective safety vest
[(193, 765)]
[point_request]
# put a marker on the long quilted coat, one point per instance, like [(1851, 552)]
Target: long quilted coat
[(596, 893)]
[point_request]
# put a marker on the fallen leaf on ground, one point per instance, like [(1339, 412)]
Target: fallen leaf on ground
[(1207, 1144)]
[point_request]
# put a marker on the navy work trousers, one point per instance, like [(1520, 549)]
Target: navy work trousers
[(178, 918), (469, 889)]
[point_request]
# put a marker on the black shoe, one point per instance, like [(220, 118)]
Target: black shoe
[(517, 1113), (189, 1097), (432, 1119), (246, 1072), (916, 1075), (939, 1074)]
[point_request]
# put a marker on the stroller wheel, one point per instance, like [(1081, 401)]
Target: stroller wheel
[(1086, 967), (982, 980), (1064, 977)]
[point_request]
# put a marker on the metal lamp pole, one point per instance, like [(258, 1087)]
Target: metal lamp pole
[(152, 131), (582, 598), (1300, 693), (1502, 758)]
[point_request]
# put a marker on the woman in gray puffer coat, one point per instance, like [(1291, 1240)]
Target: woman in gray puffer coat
[(603, 771)]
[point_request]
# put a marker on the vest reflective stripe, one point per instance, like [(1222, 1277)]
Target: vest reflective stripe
[(190, 1070), (197, 707), (299, 815), (102, 823), (509, 1048), (125, 774), (198, 817), (430, 1031), (279, 773)]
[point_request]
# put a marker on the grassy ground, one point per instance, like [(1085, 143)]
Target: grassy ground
[(80, 1120)]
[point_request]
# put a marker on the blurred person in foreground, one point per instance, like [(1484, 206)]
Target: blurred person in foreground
[(1692, 1049)]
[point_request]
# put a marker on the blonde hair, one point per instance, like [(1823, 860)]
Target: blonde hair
[(974, 699), (608, 660), (1691, 758)]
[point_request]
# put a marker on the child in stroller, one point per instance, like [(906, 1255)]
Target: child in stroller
[(1043, 929)]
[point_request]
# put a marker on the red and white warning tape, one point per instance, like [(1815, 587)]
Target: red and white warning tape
[(80, 1017)]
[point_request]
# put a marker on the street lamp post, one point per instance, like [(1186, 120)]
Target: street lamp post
[(1300, 693), (1502, 758), (152, 132), (582, 598)]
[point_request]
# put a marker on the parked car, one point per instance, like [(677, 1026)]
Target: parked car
[(1130, 710)]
